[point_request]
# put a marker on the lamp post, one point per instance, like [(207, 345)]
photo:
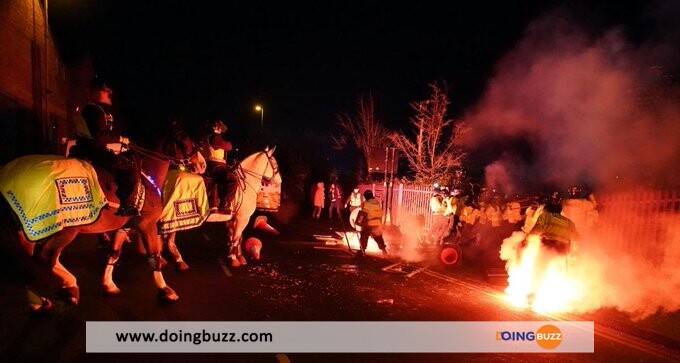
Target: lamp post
[(261, 110)]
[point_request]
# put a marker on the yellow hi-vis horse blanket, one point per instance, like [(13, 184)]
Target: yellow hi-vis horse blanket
[(51, 192), (185, 202)]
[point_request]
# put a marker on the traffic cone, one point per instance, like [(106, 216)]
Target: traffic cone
[(261, 223), (254, 246), (450, 256)]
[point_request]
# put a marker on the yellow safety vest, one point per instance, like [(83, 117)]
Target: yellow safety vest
[(555, 227), (374, 212), (355, 199), (436, 205)]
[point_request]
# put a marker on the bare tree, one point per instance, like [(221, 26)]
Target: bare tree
[(436, 151), (362, 128)]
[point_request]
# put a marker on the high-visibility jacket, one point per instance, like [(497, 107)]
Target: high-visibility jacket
[(219, 148), (531, 216), (555, 227), (319, 195), (450, 204), (512, 212), (436, 205), (483, 219), (494, 215), (581, 211), (374, 212), (468, 215), (354, 199)]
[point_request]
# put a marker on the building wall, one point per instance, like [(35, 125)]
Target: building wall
[(24, 90)]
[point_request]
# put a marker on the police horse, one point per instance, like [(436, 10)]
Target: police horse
[(254, 171), (52, 199)]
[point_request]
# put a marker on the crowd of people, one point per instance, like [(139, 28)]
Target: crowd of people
[(332, 198), (485, 219)]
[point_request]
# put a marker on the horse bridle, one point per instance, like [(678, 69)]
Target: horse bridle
[(271, 162)]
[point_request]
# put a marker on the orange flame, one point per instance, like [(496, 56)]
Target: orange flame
[(538, 277), (353, 239)]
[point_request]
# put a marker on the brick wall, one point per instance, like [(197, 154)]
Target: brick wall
[(22, 68)]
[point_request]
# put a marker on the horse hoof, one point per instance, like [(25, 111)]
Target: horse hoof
[(110, 290), (167, 294), (44, 307), (182, 266), (242, 260), (70, 294), (235, 263)]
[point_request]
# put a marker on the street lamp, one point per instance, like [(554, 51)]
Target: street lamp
[(261, 110)]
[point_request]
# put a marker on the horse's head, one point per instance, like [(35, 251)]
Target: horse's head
[(264, 165), (271, 174)]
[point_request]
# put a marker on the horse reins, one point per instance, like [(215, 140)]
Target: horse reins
[(243, 183), (155, 155)]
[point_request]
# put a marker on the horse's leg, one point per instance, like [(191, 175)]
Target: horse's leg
[(108, 285), (236, 228), (172, 247), (69, 286), (50, 253), (143, 247), (148, 231), (24, 253)]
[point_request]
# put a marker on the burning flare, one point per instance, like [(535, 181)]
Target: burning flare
[(538, 276)]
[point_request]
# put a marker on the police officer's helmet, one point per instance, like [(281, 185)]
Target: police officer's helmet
[(554, 202), (99, 84), (368, 194), (218, 127), (575, 191)]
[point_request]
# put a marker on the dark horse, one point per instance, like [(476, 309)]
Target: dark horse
[(184, 153), (48, 250)]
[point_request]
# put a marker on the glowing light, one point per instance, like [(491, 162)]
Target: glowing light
[(353, 239), (258, 108), (538, 277), (152, 182)]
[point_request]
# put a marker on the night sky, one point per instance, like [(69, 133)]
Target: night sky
[(304, 62)]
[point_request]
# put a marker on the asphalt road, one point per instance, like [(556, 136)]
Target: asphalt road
[(294, 281)]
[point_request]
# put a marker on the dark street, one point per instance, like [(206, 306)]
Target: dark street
[(297, 279)]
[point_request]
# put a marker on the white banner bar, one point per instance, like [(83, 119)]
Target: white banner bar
[(340, 337)]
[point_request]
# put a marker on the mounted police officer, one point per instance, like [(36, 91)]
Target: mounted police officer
[(227, 182), (95, 129)]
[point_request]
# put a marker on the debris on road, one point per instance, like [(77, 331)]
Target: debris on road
[(404, 269), (348, 268)]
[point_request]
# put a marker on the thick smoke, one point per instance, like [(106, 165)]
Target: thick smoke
[(594, 109), (597, 109)]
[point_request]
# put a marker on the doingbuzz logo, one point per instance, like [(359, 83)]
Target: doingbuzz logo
[(547, 336)]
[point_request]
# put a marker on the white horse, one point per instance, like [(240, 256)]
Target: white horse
[(252, 172)]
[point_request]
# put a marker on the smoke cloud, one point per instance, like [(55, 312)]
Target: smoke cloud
[(595, 109), (603, 110)]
